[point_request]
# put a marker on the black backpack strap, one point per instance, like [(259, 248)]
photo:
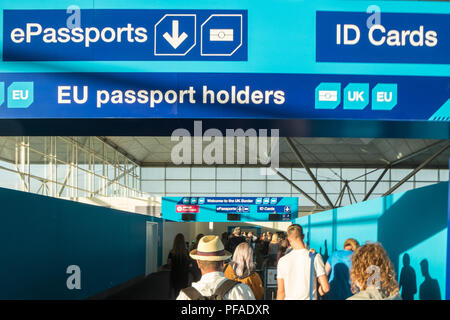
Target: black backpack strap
[(224, 288), (192, 293)]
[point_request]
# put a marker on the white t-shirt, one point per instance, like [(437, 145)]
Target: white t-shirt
[(294, 268)]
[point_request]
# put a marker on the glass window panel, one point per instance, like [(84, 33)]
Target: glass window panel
[(83, 159), (333, 197), (253, 174), (424, 184), (178, 173), (381, 187), (10, 180), (427, 175), (443, 175), (62, 173), (35, 186), (307, 186), (228, 195), (301, 174), (284, 171), (327, 174), (373, 176), (331, 186), (357, 186), (228, 173), (203, 186), (178, 186), (350, 174), (153, 173), (7, 164), (176, 194), (82, 180), (399, 174), (203, 173), (304, 202), (153, 187), (404, 187), (229, 187), (254, 187), (278, 187)]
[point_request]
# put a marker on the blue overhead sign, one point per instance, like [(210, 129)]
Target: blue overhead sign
[(125, 35), (218, 209), (313, 60), (223, 95)]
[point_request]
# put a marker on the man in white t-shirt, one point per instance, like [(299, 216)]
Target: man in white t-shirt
[(294, 270)]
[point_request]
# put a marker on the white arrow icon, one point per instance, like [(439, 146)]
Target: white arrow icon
[(175, 40)]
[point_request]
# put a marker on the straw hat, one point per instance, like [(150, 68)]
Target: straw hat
[(210, 248)]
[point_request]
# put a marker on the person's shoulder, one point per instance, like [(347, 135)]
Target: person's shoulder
[(288, 256)]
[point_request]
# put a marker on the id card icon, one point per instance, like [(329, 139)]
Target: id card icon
[(221, 35), (328, 95)]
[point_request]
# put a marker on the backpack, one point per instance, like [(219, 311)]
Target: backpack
[(220, 292)]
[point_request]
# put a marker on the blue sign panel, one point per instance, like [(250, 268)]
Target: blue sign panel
[(227, 95), (396, 38), (216, 209), (125, 35)]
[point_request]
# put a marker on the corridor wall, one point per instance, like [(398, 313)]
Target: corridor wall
[(412, 223), (40, 237)]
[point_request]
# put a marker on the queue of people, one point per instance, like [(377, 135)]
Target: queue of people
[(226, 268)]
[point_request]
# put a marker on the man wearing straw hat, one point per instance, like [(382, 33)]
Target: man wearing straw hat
[(210, 255)]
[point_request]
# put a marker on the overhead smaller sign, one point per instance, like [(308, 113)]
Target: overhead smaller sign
[(217, 209)]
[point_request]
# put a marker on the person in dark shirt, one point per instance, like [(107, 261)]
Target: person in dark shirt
[(195, 271), (178, 260), (235, 240)]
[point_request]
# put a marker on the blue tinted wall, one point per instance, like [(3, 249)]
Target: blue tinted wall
[(410, 225), (41, 236)]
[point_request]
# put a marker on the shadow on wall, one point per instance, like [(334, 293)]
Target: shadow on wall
[(429, 289), (324, 254), (407, 282), (406, 223)]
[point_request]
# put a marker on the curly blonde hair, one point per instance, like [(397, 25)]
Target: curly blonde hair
[(363, 260)]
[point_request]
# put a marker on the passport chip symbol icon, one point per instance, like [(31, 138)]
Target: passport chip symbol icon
[(221, 35)]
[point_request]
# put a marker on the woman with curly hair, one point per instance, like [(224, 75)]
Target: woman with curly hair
[(372, 274)]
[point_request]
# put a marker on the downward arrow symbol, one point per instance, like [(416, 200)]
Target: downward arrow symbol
[(175, 40)]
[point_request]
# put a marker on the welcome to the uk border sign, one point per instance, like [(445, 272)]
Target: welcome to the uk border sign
[(239, 59)]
